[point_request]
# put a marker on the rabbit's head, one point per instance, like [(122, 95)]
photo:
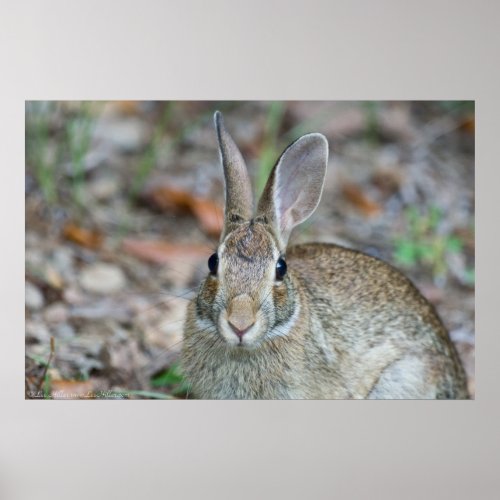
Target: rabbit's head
[(248, 296)]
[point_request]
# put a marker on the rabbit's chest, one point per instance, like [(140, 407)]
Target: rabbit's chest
[(247, 379)]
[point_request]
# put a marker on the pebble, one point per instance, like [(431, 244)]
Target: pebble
[(37, 330), (103, 309), (33, 297), (128, 135), (64, 331), (102, 279), (56, 313), (34, 258), (105, 187), (62, 259), (73, 296)]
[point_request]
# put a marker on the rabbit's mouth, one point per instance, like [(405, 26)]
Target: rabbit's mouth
[(241, 335)]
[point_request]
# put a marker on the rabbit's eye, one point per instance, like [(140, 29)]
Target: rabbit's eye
[(213, 263), (280, 269)]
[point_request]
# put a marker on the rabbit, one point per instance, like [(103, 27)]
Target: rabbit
[(314, 321)]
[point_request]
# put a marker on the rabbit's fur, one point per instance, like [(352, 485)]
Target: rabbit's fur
[(339, 324)]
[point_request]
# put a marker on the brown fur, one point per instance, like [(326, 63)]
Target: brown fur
[(340, 324)]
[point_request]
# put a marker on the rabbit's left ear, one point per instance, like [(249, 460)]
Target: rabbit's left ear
[(294, 188)]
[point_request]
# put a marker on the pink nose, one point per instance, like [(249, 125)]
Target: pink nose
[(240, 332)]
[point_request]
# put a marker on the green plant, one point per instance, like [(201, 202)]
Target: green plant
[(423, 244), (38, 155), (78, 132), (458, 107), (148, 160), (371, 130), (269, 150), (173, 379)]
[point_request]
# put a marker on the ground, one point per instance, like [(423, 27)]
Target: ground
[(124, 207)]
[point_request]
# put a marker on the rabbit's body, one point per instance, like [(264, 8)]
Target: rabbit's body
[(361, 341), (339, 324)]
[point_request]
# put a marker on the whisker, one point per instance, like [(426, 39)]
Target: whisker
[(265, 298), (157, 293), (169, 348), (160, 304)]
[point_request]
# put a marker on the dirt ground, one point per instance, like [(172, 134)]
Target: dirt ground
[(124, 206)]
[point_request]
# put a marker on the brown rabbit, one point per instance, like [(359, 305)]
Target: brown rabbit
[(313, 321)]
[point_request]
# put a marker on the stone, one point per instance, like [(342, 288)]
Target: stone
[(64, 331), (62, 259), (37, 331), (56, 313), (73, 296), (33, 297), (102, 309), (126, 134), (105, 187), (102, 279)]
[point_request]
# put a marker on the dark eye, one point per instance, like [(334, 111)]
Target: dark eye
[(280, 269), (213, 263)]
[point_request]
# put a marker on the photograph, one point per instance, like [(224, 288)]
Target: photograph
[(304, 249)]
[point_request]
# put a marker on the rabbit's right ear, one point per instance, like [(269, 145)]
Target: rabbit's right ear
[(239, 200), (294, 188)]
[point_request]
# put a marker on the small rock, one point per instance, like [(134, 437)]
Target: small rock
[(126, 134), (102, 279), (34, 258), (56, 313), (124, 361), (73, 296), (33, 297), (62, 259), (89, 344), (103, 309), (54, 374), (64, 331), (101, 154), (32, 240), (105, 187), (37, 331)]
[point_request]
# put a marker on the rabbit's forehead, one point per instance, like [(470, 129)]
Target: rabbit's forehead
[(250, 242)]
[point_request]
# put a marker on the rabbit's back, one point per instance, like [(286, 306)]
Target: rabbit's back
[(375, 325)]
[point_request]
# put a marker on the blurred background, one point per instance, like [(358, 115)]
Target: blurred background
[(124, 206)]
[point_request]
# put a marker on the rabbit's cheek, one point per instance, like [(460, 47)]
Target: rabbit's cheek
[(208, 294), (281, 299)]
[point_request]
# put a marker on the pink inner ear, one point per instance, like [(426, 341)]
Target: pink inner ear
[(297, 182), (290, 215), (292, 183)]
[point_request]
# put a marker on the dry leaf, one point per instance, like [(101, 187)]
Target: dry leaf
[(468, 125), (129, 107), (84, 237), (72, 389), (355, 195), (161, 252), (208, 213)]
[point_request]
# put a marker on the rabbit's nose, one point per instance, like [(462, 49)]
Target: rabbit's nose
[(239, 332), (241, 316)]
